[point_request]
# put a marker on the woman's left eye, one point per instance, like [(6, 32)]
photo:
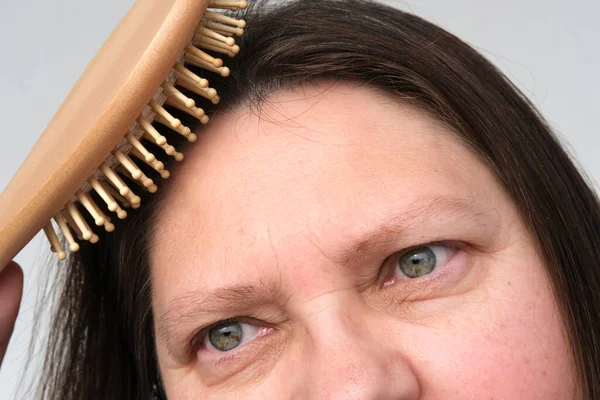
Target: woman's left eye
[(420, 261), (228, 335)]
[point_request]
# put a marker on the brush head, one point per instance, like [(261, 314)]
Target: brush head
[(79, 171)]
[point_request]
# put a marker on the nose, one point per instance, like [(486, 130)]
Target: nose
[(349, 355)]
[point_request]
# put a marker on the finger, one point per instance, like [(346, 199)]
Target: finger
[(11, 290)]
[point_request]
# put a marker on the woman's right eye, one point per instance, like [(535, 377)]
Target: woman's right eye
[(228, 335)]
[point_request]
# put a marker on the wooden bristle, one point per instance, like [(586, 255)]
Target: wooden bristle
[(129, 165), (134, 200), (209, 33), (104, 194), (74, 213), (231, 5), (64, 228), (138, 146), (200, 63), (185, 73), (205, 57), (160, 111), (73, 226), (207, 43), (156, 165), (151, 133), (224, 19), (171, 151), (207, 93), (174, 94), (122, 200), (193, 111), (143, 182), (95, 211), (223, 29), (115, 180), (121, 214), (182, 129), (92, 208), (55, 245)]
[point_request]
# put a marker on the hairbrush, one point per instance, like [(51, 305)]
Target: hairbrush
[(101, 132)]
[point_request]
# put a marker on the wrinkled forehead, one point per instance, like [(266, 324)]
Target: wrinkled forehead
[(321, 161)]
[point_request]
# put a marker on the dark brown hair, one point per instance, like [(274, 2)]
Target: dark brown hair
[(101, 343)]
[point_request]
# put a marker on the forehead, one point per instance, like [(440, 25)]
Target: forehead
[(318, 163)]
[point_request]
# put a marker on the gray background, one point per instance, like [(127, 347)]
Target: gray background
[(549, 48)]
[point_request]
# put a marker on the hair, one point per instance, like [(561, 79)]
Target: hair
[(101, 342)]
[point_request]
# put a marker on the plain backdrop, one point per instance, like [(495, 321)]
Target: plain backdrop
[(549, 48)]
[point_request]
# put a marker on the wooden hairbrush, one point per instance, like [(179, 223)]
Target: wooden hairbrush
[(97, 136)]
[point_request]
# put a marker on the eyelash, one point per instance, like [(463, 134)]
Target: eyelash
[(196, 344)]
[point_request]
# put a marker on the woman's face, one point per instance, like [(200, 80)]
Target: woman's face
[(340, 245)]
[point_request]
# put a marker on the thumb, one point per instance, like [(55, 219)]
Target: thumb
[(11, 290)]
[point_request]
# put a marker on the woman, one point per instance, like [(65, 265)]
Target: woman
[(374, 213)]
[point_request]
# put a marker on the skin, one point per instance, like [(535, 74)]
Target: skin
[(11, 291), (281, 203)]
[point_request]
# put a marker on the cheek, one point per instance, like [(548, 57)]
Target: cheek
[(185, 385), (505, 345)]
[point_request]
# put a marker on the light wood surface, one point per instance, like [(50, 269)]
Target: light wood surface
[(93, 119)]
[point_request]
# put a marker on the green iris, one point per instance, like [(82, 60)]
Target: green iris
[(226, 337), (418, 262)]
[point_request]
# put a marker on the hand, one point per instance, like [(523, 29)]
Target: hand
[(11, 290)]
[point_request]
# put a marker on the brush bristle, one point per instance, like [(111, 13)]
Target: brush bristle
[(215, 33)]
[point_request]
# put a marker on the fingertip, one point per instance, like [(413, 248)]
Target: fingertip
[(14, 270), (11, 280), (11, 291)]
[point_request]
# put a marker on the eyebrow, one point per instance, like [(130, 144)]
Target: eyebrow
[(196, 304), (396, 224)]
